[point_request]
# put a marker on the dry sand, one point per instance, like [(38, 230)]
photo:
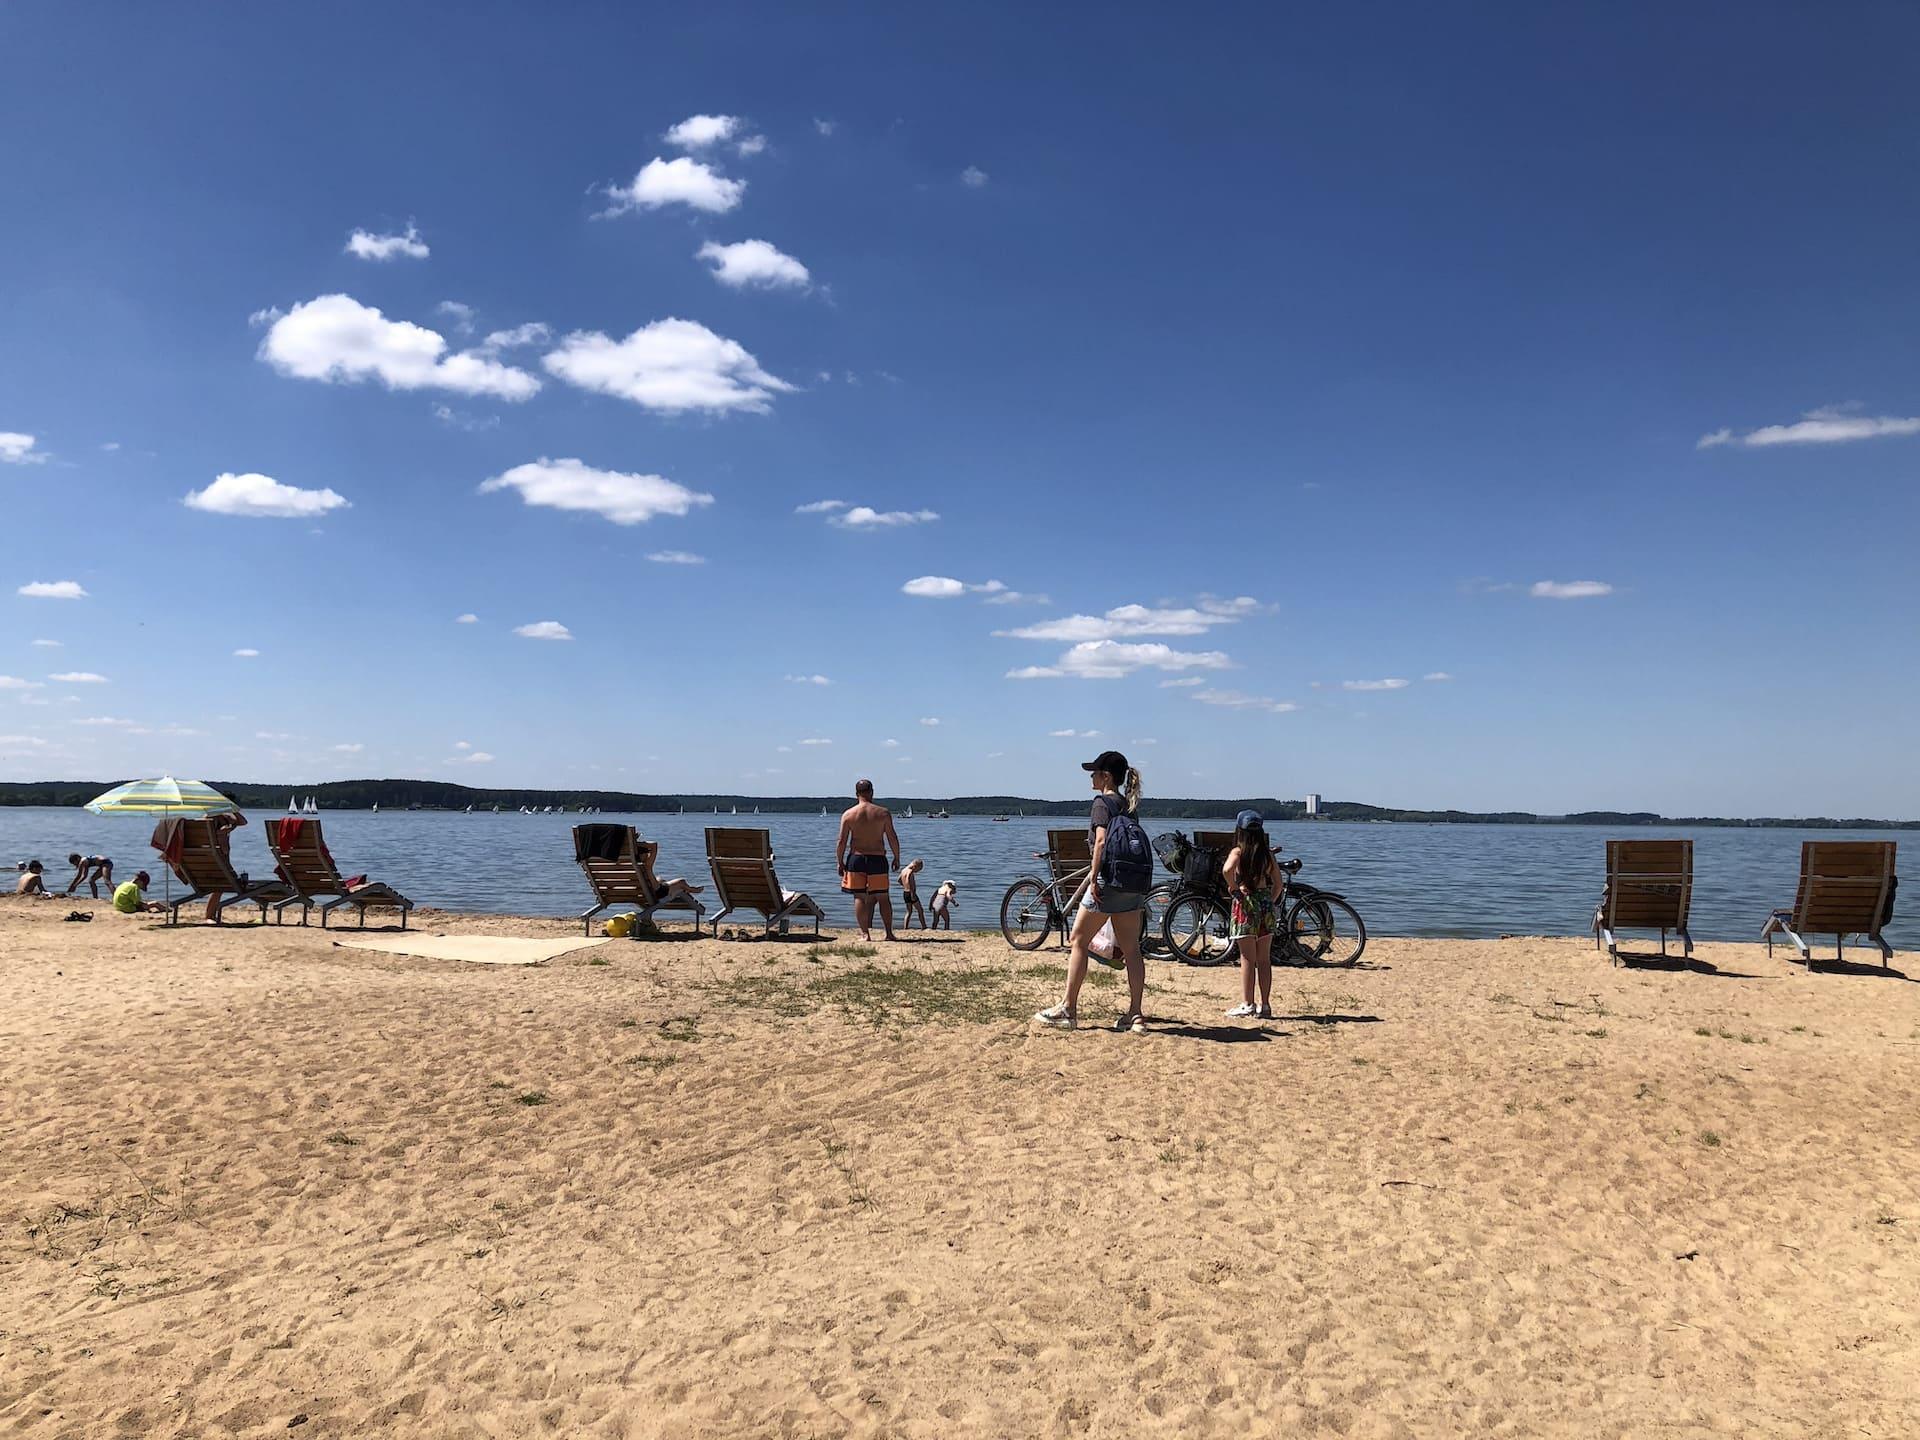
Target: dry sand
[(252, 1181)]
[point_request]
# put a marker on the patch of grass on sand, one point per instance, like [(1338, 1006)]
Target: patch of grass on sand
[(340, 1137), (839, 952), (1098, 976), (680, 1027), (1599, 1034), (1710, 1139), (654, 1062), (498, 1085), (887, 994), (532, 1097), (599, 960)]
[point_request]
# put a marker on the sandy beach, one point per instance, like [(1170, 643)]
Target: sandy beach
[(256, 1183)]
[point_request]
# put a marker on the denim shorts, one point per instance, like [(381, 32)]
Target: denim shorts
[(1114, 902)]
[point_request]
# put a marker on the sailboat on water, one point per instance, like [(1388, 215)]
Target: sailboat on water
[(312, 808), (293, 805)]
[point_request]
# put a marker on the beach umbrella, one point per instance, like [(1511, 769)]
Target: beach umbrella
[(164, 799)]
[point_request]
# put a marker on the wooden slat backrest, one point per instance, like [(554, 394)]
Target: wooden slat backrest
[(1068, 851), (305, 862), (621, 881), (1843, 886), (202, 863), (742, 865), (734, 842), (1221, 840), (1649, 883)]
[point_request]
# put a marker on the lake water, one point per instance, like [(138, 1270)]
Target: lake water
[(1464, 880)]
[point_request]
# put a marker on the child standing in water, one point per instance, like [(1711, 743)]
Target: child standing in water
[(943, 905), (1253, 879), (910, 893)]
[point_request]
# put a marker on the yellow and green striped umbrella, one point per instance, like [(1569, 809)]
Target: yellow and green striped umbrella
[(165, 796)]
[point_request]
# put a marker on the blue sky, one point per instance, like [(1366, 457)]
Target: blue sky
[(1260, 357)]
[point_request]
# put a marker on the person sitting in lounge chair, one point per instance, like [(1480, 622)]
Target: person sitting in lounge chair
[(676, 888)]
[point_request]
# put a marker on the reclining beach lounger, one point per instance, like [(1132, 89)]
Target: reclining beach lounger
[(196, 852), (305, 864), (1649, 887), (610, 856), (743, 877), (1067, 851), (1846, 888)]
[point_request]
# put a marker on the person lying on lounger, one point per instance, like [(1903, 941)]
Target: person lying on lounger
[(665, 889)]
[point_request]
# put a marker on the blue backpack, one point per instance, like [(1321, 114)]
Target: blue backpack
[(1127, 862)]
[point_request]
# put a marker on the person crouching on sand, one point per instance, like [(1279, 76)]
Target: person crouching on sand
[(1253, 880), (910, 894), (131, 897), (860, 853), (943, 905), (1122, 874), (31, 881), (90, 870)]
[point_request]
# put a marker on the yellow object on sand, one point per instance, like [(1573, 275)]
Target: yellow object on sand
[(619, 927)]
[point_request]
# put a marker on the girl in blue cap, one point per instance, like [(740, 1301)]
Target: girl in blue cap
[(1253, 879)]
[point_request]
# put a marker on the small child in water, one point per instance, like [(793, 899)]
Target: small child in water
[(910, 893), (943, 905)]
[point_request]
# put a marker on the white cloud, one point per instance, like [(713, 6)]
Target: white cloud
[(544, 630), (534, 332), (365, 245), (1569, 589), (272, 735), (682, 181), (335, 338), (1015, 597), (110, 722), (53, 590), (1114, 659), (262, 497), (752, 145), (1436, 675), (1374, 684), (79, 677), (17, 449), (264, 316), (463, 745), (944, 587), (352, 748), (472, 757), (816, 742), (1072, 734), (783, 749), (676, 557), (808, 680), (697, 132), (819, 507), (30, 740), (14, 682), (1828, 425), (1130, 621), (574, 485), (467, 619), (1182, 682), (447, 415), (930, 720), (865, 517), (973, 177), (890, 744), (754, 263), (46, 644), (1234, 700), (670, 365), (461, 314), (825, 127), (246, 654)]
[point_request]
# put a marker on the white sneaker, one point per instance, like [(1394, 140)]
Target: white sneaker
[(1058, 1018), (1243, 1012), (1134, 1024)]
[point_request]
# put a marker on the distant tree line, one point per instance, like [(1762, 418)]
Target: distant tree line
[(441, 795)]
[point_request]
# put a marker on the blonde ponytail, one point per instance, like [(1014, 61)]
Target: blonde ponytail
[(1132, 790)]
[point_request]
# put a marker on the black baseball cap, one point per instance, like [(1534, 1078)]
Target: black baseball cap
[(1111, 761)]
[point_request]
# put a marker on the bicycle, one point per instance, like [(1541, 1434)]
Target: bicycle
[(1033, 908), (1316, 927)]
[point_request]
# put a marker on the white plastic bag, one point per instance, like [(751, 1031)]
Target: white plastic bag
[(1102, 945)]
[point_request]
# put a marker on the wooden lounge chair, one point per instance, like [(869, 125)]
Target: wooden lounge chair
[(1649, 887), (301, 852), (743, 877), (1846, 888), (197, 854), (611, 857), (1067, 852)]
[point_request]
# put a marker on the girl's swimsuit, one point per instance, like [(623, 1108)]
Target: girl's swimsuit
[(1253, 917)]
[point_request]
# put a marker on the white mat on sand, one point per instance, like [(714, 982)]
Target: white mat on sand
[(478, 949)]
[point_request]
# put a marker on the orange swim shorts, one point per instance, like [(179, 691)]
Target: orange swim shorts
[(864, 875)]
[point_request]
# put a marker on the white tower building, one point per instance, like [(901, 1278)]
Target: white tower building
[(1313, 806)]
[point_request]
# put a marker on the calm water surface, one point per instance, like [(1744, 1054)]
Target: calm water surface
[(1466, 880)]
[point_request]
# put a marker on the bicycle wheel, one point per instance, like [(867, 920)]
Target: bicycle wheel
[(1326, 930), (1196, 929), (1026, 914), (1153, 935)]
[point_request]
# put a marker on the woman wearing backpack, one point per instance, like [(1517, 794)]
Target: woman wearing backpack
[(1121, 876)]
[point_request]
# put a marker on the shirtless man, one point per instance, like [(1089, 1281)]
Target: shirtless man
[(866, 834)]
